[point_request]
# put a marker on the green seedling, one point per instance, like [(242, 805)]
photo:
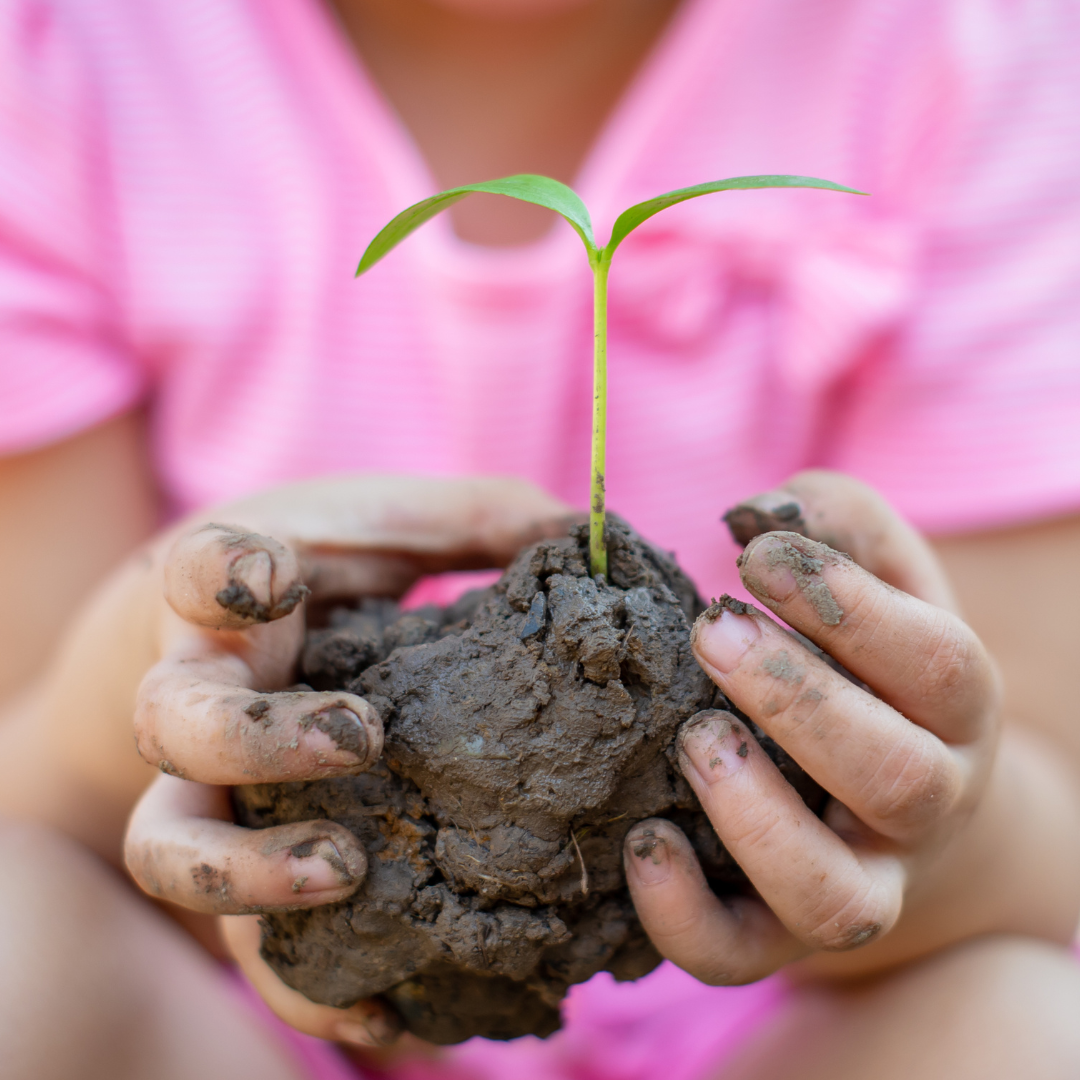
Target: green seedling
[(543, 191)]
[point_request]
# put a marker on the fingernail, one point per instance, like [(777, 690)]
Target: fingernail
[(778, 566), (317, 865), (713, 744), (650, 858), (255, 569), (771, 511), (722, 640), (351, 1031), (343, 729), (248, 593), (766, 567)]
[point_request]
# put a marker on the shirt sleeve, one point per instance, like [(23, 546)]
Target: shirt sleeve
[(63, 363), (971, 417)]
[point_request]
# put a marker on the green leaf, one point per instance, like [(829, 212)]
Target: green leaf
[(630, 219), (541, 190)]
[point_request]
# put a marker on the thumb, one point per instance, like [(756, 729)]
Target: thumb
[(369, 1022)]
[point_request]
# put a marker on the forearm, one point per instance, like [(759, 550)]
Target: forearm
[(67, 752), (70, 513), (35, 786), (1011, 870)]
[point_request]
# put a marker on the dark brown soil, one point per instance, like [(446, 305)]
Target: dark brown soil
[(528, 727)]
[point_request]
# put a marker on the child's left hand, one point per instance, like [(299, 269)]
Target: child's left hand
[(918, 834)]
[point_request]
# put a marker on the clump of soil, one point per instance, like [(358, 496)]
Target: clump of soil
[(528, 726)]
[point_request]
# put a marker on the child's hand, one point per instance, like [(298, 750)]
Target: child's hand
[(211, 711), (907, 768)]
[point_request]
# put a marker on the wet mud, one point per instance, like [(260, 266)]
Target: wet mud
[(528, 727)]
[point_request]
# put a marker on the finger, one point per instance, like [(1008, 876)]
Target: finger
[(343, 575), (829, 894), (737, 940), (198, 718), (224, 577), (367, 1023), (378, 534), (923, 660), (898, 777), (351, 536), (478, 518), (181, 846), (851, 517)]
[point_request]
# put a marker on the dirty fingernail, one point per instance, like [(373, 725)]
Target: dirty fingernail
[(352, 1031), (255, 570), (336, 735), (317, 865), (649, 857), (779, 566), (722, 641), (771, 511), (714, 744), (766, 568), (248, 593)]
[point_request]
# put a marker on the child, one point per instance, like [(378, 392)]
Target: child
[(186, 189)]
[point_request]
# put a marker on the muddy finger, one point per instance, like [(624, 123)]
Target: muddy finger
[(720, 942), (181, 847), (226, 578), (899, 778), (848, 516), (920, 658), (829, 895), (196, 719)]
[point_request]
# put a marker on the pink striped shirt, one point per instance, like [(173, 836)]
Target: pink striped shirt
[(185, 189)]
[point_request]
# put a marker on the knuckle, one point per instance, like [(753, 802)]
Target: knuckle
[(139, 861), (147, 735), (954, 671), (915, 790), (808, 708), (755, 833), (854, 921), (675, 928), (947, 664), (788, 693), (867, 608)]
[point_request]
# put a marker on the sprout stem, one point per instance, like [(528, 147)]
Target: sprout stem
[(597, 547), (543, 191)]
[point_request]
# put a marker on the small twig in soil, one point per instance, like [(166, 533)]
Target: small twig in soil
[(497, 880), (480, 942), (472, 826), (584, 872)]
